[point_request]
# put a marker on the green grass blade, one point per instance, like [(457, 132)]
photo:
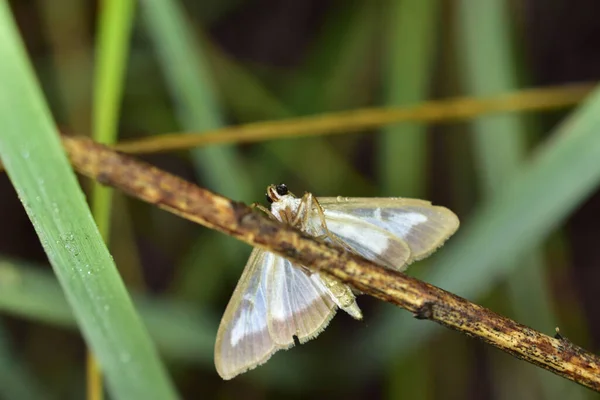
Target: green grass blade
[(36, 164), (411, 30), (341, 54), (411, 34), (112, 50), (19, 281), (114, 28), (248, 98), (489, 67), (115, 22), (16, 381), (197, 105), (68, 76), (181, 333)]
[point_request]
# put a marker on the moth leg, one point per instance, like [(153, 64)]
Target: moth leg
[(343, 294), (331, 281), (263, 209), (327, 233), (301, 217)]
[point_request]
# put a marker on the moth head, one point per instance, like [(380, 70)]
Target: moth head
[(276, 192)]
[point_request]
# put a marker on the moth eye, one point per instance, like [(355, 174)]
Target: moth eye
[(269, 199), (282, 189)]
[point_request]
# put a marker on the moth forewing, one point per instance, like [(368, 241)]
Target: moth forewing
[(413, 228)]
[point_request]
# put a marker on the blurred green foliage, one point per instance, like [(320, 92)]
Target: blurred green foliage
[(193, 66)]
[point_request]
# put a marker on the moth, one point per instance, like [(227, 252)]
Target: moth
[(277, 302)]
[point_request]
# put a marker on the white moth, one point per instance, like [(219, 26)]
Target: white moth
[(276, 301)]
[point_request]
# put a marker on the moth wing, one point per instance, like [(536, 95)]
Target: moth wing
[(391, 231), (298, 302), (243, 339)]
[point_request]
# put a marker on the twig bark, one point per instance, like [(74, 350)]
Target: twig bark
[(422, 299)]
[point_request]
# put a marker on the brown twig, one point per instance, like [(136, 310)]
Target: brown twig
[(422, 299)]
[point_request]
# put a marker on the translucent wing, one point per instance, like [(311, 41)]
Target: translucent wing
[(273, 302), (391, 231), (243, 339), (299, 304)]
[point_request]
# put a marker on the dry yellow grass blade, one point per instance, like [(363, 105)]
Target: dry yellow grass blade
[(363, 119), (359, 120)]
